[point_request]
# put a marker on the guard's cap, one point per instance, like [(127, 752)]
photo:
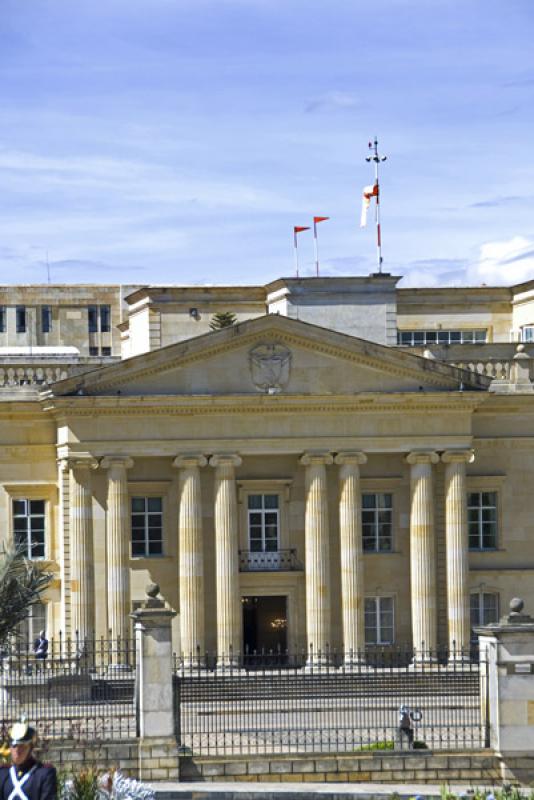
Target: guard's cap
[(21, 733)]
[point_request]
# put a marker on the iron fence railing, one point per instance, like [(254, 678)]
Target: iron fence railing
[(83, 689), (324, 703)]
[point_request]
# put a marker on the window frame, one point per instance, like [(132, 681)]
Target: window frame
[(481, 522), (481, 592), (523, 329), (447, 336), (104, 318), (3, 319), (263, 512), (149, 489), (487, 483), (378, 599), (146, 513), (376, 522), (275, 486), (35, 491)]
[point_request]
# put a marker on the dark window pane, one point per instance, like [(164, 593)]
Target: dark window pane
[(2, 319), (20, 319), (46, 319), (93, 351), (154, 503), (368, 500), (92, 319), (105, 318), (138, 503), (254, 501), (19, 507), (20, 524), (37, 506), (271, 501), (138, 548), (431, 337), (489, 499), (155, 548), (138, 534), (106, 351), (473, 499), (443, 337)]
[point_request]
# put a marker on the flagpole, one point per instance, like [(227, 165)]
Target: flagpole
[(373, 146), (296, 252), (316, 247)]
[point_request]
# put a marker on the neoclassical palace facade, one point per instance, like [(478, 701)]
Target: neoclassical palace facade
[(351, 464)]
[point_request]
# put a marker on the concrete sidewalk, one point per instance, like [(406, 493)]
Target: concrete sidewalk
[(299, 791)]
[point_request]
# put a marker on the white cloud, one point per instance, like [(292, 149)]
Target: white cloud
[(331, 100), (504, 263)]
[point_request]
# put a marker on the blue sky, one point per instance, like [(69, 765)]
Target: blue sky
[(178, 141)]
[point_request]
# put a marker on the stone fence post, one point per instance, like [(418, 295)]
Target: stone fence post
[(507, 675), (158, 747)]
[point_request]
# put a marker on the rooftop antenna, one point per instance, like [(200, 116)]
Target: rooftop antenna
[(374, 156)]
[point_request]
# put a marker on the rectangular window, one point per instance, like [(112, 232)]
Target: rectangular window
[(147, 526), (106, 351), (2, 319), (420, 338), (484, 608), (93, 351), (92, 319), (46, 319), (379, 620), (105, 319), (377, 522), (20, 319), (30, 628), (29, 527), (527, 333), (263, 522), (482, 520)]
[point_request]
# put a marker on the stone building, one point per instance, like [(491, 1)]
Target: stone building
[(350, 464)]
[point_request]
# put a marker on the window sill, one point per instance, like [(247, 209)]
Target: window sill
[(382, 552), (150, 558)]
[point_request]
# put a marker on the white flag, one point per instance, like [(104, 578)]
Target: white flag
[(368, 192)]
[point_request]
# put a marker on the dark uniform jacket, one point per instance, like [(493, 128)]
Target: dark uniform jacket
[(41, 785)]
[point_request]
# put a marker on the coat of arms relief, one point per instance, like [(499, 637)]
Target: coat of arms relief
[(270, 366)]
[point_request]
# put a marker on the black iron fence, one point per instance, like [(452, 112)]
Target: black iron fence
[(83, 689), (279, 703)]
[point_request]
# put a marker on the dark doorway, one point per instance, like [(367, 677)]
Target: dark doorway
[(265, 630)]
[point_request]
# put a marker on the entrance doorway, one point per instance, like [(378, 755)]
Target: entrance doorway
[(265, 630)]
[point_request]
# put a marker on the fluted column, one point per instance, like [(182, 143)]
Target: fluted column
[(191, 558), (317, 556), (457, 551), (227, 560), (82, 583), (118, 545), (423, 553), (350, 540)]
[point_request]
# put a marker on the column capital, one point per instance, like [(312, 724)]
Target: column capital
[(422, 457), (189, 460), (117, 461), (458, 457), (317, 458), (78, 461), (225, 460), (352, 457)]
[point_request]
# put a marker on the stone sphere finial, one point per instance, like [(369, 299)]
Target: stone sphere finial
[(516, 605), (152, 590), (520, 348)]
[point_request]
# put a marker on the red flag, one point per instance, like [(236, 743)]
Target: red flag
[(298, 229), (320, 219)]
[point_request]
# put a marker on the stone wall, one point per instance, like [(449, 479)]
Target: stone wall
[(476, 768), (154, 760)]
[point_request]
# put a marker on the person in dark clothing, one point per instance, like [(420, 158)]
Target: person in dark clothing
[(26, 778), (40, 646), (405, 725)]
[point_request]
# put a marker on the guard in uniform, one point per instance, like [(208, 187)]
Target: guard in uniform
[(26, 778)]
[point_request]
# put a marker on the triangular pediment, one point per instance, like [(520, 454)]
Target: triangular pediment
[(271, 354)]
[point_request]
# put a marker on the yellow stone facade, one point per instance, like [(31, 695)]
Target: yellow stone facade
[(186, 443)]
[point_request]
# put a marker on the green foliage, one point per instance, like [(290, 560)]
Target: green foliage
[(386, 745), (21, 584), (419, 745), (222, 319), (84, 785)]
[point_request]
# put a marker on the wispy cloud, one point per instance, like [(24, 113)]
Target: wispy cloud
[(333, 100), (503, 200), (504, 262)]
